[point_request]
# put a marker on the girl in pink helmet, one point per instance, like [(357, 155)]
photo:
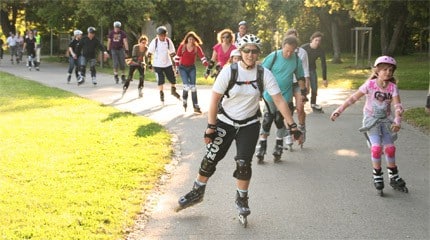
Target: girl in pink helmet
[(380, 125)]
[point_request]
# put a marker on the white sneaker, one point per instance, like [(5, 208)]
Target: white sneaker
[(94, 80)]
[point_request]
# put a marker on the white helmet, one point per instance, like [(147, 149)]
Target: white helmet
[(249, 39), (117, 24), (77, 32), (235, 53), (91, 30)]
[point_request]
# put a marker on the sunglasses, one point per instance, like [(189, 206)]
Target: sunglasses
[(225, 36), (253, 51)]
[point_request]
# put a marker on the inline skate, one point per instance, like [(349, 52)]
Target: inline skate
[(243, 208), (193, 197), (397, 182), (378, 181), (261, 150), (317, 108), (277, 151)]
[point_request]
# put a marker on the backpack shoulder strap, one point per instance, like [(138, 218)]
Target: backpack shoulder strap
[(273, 60), (260, 79), (233, 78)]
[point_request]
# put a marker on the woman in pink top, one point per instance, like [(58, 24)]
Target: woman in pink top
[(380, 125), (221, 51), (185, 61)]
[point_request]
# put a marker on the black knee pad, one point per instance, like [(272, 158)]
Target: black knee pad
[(279, 120), (267, 121), (243, 170), (207, 167)]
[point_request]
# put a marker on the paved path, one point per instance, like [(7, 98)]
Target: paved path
[(323, 191)]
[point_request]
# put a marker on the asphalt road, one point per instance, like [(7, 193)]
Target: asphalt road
[(323, 191)]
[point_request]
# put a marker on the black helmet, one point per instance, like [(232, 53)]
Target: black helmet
[(161, 30)]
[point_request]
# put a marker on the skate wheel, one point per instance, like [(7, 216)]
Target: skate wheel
[(381, 193), (243, 220)]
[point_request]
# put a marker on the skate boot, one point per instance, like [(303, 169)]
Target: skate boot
[(317, 108), (302, 129), (277, 151), (122, 79), (174, 93), (242, 207), (93, 79), (378, 181), (193, 197), (184, 104), (396, 182), (261, 150), (197, 109), (162, 97), (116, 78), (140, 92), (69, 77), (81, 80), (288, 142)]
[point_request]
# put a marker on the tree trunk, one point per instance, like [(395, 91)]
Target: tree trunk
[(335, 40), (5, 23), (398, 30), (384, 36)]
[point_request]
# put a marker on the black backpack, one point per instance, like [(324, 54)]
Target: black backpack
[(234, 75), (233, 80)]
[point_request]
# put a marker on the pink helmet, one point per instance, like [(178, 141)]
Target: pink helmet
[(385, 59)]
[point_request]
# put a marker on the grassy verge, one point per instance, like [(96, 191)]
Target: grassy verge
[(412, 72), (70, 168), (418, 118)]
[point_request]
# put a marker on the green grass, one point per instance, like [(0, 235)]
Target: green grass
[(71, 168), (418, 118), (412, 72)]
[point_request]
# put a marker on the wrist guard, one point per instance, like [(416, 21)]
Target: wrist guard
[(211, 64), (212, 136)]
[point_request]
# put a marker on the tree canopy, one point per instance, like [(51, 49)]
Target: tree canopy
[(399, 26)]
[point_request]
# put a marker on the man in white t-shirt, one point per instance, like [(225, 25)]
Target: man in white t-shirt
[(237, 118), (242, 31), (12, 42), (163, 50)]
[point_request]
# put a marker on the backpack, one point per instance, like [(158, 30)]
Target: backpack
[(233, 81), (234, 75), (167, 39)]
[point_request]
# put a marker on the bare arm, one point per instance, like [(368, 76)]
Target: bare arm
[(348, 102)]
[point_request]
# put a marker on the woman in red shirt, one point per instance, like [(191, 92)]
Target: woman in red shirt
[(221, 51), (185, 61)]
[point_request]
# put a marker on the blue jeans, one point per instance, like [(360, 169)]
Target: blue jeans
[(188, 75), (73, 63)]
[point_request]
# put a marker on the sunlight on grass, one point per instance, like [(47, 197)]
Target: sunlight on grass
[(418, 118), (71, 168)]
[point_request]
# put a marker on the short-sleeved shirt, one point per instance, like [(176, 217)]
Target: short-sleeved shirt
[(244, 99), (284, 69), (188, 58), (11, 41), (223, 57), (378, 100), (74, 44), (117, 39), (30, 45), (161, 51)]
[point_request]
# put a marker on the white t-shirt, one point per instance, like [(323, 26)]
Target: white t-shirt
[(244, 99), (162, 52), (11, 41), (303, 55)]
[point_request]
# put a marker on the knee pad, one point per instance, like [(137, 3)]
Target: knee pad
[(279, 120), (390, 151), (376, 151), (207, 167), (267, 122), (193, 88), (243, 170)]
